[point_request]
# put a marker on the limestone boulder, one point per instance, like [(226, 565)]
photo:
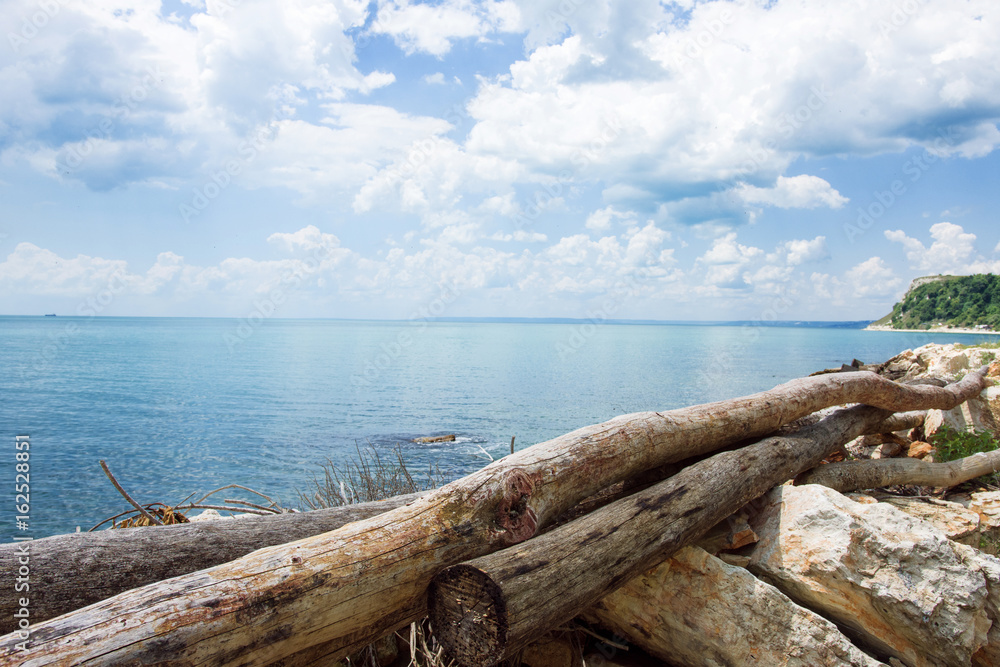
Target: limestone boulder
[(987, 505), (955, 521), (891, 580), (949, 363), (696, 610)]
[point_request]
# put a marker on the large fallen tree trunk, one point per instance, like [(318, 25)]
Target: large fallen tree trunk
[(327, 595), (108, 562), (871, 474), (484, 610), (105, 563)]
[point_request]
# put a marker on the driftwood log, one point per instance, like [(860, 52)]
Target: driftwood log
[(325, 596), (847, 476), (72, 571), (109, 562), (484, 610)]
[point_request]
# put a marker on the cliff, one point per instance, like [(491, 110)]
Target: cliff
[(948, 301)]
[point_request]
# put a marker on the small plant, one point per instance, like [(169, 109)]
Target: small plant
[(989, 543), (953, 444), (364, 479)]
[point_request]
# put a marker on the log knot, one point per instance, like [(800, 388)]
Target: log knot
[(515, 518)]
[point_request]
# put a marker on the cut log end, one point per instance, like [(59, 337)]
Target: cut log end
[(469, 615)]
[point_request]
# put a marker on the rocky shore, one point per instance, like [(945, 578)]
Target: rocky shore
[(952, 330), (885, 577)]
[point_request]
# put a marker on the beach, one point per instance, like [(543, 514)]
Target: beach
[(944, 330)]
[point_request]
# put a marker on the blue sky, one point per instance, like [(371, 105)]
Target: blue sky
[(582, 158)]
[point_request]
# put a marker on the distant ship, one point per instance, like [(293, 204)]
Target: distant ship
[(50, 314)]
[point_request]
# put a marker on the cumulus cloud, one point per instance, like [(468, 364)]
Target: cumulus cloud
[(952, 251), (33, 270), (654, 132), (872, 278), (602, 219), (727, 262), (521, 235), (113, 97), (306, 239), (726, 250), (794, 192), (320, 268), (800, 251), (418, 27)]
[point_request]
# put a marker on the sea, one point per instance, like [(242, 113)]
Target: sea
[(181, 406)]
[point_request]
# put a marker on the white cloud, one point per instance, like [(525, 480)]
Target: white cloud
[(602, 219), (952, 251), (307, 239), (521, 236), (645, 125), (352, 145), (728, 262), (872, 278), (794, 192), (135, 97), (726, 250), (800, 251), (829, 288), (33, 270), (418, 27), (435, 79)]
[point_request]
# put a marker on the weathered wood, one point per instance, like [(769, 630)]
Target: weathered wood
[(903, 421), (71, 571), (487, 608), (871, 474), (327, 595), (105, 563)]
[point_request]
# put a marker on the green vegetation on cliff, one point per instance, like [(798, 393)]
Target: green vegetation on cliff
[(959, 301)]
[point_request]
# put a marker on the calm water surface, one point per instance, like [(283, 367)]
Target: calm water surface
[(176, 406)]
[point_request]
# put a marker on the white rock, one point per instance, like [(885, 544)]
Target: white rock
[(987, 505), (952, 519), (696, 610), (207, 515), (890, 578), (949, 362)]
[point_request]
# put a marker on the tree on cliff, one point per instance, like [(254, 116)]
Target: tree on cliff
[(956, 301)]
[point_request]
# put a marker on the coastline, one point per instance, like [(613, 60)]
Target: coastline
[(955, 330)]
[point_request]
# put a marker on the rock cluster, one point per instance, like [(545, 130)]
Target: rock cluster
[(948, 363), (858, 579)]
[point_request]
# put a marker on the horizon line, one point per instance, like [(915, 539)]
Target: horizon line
[(488, 319)]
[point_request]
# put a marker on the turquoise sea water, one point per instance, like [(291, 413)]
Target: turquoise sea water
[(183, 405)]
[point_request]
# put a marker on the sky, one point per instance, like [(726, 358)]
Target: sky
[(717, 160)]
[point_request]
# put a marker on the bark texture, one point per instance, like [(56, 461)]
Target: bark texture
[(871, 474), (325, 596), (108, 562), (485, 609)]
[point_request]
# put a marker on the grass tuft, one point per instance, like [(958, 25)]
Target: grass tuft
[(952, 444)]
